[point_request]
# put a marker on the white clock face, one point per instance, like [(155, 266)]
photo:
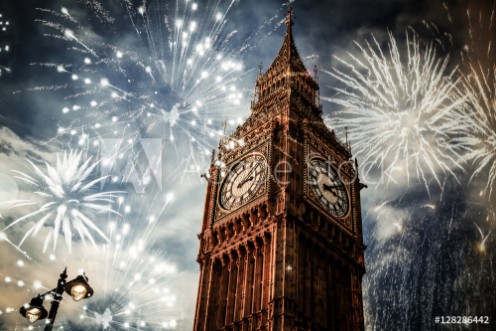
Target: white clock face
[(328, 187), (243, 181)]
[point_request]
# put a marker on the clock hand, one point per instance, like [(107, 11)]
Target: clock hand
[(330, 187), (248, 176), (244, 181)]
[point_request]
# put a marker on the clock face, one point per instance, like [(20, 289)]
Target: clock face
[(243, 181), (328, 187)]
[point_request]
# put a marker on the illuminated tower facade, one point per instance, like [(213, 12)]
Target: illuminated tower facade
[(281, 245)]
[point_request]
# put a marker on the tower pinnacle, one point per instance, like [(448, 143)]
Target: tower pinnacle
[(286, 68), (289, 19)]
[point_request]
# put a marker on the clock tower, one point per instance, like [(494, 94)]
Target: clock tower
[(281, 245)]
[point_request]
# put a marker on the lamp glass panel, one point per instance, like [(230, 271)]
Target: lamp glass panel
[(78, 292), (33, 314)]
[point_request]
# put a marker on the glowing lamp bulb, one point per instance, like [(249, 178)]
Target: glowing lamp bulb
[(33, 314), (34, 311), (78, 292), (79, 288)]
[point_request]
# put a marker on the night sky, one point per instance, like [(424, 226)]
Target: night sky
[(153, 86)]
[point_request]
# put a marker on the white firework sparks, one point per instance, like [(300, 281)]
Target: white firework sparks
[(400, 110), (478, 129), (163, 70), (137, 291), (4, 43), (68, 199)]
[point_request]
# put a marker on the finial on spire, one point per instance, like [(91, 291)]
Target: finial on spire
[(260, 67), (289, 18), (347, 142)]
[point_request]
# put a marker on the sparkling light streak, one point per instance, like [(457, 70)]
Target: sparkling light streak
[(4, 238)]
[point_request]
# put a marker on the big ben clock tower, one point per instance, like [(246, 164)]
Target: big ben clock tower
[(281, 245)]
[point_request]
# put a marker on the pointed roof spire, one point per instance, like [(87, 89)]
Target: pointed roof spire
[(288, 54), (287, 73)]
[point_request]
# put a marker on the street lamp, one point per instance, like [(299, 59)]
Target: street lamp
[(34, 310), (78, 289)]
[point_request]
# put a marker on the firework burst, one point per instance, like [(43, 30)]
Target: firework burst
[(400, 110), (137, 292), (138, 289), (478, 131), (67, 199), (152, 69)]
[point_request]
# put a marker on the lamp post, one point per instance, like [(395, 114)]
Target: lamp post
[(78, 289)]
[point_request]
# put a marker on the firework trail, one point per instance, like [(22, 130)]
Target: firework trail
[(482, 244), (153, 69), (4, 238), (68, 199), (399, 108)]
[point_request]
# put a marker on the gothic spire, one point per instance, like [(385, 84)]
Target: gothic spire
[(288, 56), (287, 67), (287, 74)]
